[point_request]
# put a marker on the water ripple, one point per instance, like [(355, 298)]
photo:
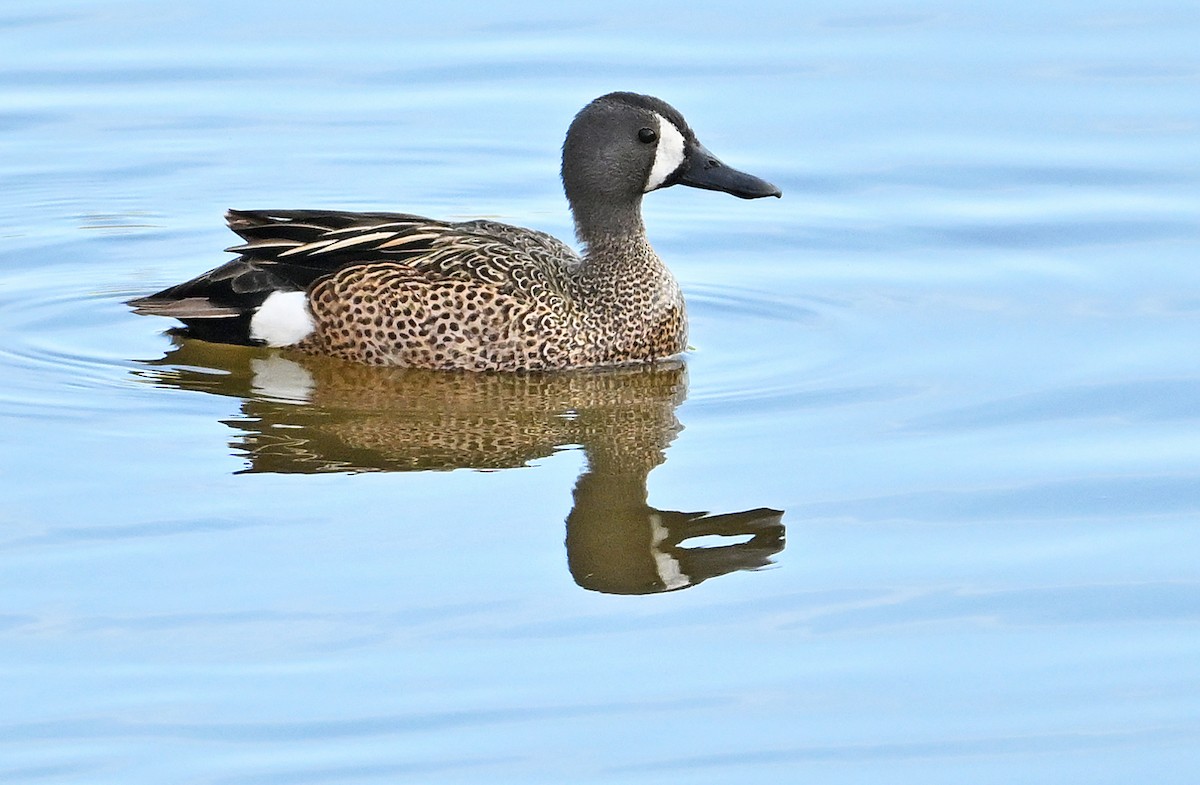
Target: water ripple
[(738, 379), (62, 342), (356, 727)]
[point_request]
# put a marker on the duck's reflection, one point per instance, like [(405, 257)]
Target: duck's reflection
[(314, 414)]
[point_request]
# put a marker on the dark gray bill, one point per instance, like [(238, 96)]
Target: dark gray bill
[(702, 169)]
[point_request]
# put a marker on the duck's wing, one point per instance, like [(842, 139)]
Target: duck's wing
[(310, 244)]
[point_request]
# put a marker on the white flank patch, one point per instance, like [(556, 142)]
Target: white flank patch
[(668, 156), (282, 320)]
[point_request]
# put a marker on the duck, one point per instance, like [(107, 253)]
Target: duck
[(398, 289)]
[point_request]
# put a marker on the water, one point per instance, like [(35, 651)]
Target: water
[(959, 356)]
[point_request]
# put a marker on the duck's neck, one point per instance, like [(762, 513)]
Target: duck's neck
[(612, 234)]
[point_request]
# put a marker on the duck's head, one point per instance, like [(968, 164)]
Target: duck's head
[(623, 145)]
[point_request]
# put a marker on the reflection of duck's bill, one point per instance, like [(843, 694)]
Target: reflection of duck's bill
[(760, 520), (763, 533)]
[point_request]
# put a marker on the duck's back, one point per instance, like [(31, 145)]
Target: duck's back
[(306, 245)]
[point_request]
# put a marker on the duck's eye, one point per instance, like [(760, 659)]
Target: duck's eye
[(648, 135)]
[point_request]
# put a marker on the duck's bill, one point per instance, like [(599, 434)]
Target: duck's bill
[(702, 169)]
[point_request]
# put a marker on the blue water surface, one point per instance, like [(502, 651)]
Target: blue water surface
[(959, 356)]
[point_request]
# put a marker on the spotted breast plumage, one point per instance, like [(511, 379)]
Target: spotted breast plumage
[(400, 289)]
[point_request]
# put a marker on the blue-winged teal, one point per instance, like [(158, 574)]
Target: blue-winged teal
[(398, 289)]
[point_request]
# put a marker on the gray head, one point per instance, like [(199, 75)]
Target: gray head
[(623, 145)]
